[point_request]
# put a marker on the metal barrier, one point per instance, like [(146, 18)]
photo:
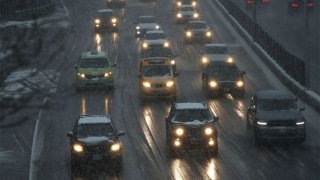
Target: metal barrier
[(293, 65), (36, 12)]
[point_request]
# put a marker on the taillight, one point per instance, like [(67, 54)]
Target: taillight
[(294, 4), (310, 4), (265, 1), (250, 1)]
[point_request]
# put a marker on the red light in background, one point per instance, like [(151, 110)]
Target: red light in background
[(294, 4), (310, 4), (265, 1)]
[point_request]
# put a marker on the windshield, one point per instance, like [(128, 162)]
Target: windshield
[(157, 52), (197, 26), (147, 20), (187, 8), (154, 36), (95, 130), (94, 63), (191, 115), (105, 14), (216, 50), (277, 105), (157, 71)]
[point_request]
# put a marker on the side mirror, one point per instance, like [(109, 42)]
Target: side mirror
[(176, 74), (75, 66), (216, 118), (204, 75), (166, 119), (175, 55), (252, 108), (243, 72), (114, 65), (70, 134), (302, 108), (121, 133), (139, 75)]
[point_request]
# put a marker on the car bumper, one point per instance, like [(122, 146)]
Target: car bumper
[(280, 132), (191, 143), (224, 90), (84, 157), (158, 93), (186, 19), (106, 26)]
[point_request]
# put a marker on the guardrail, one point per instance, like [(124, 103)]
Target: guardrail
[(35, 12), (293, 65)]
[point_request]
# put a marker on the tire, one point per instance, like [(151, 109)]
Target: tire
[(75, 167)]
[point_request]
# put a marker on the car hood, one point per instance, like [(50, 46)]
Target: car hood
[(186, 13), (225, 77), (148, 25), (93, 140), (93, 71), (279, 115), (216, 56), (198, 30), (153, 80), (193, 124), (156, 41)]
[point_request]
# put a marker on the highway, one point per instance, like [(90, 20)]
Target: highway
[(38, 147)]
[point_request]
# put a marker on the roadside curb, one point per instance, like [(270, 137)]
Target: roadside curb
[(310, 97)]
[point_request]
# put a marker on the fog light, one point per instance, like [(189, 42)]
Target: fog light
[(213, 84), (189, 34), (177, 143), (211, 142), (240, 83), (204, 60), (145, 45)]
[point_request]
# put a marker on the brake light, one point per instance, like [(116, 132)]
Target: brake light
[(265, 1), (294, 4), (250, 1), (310, 4)]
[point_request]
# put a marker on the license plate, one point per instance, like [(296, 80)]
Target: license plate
[(95, 79), (281, 130), (226, 89), (97, 157)]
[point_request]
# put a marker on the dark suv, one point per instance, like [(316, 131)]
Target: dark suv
[(221, 77), (95, 138), (191, 125), (275, 114), (105, 20)]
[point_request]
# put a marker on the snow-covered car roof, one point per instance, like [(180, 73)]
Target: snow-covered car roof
[(191, 106), (94, 119)]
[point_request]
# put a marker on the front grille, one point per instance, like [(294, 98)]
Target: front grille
[(94, 76), (96, 149), (227, 84), (282, 123), (195, 133), (158, 85)]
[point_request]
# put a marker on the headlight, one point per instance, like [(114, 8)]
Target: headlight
[(213, 84), (77, 148), (240, 83), (116, 147), (194, 3), (173, 62), (300, 123), (170, 83), (157, 27), (195, 15), (230, 60), (208, 131), (179, 3), (179, 132), (262, 123), (146, 84), (137, 27), (204, 60), (179, 15), (188, 33), (145, 45), (107, 74), (113, 20), (166, 44), (208, 34), (81, 75), (97, 21)]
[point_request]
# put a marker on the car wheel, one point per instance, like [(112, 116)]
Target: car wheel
[(75, 167)]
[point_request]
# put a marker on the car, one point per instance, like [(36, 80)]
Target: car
[(186, 13), (159, 51), (186, 2), (191, 125), (197, 31), (116, 3), (94, 69), (275, 115), (94, 138), (105, 20), (157, 78), (222, 77), (212, 52), (294, 4), (144, 24), (155, 38)]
